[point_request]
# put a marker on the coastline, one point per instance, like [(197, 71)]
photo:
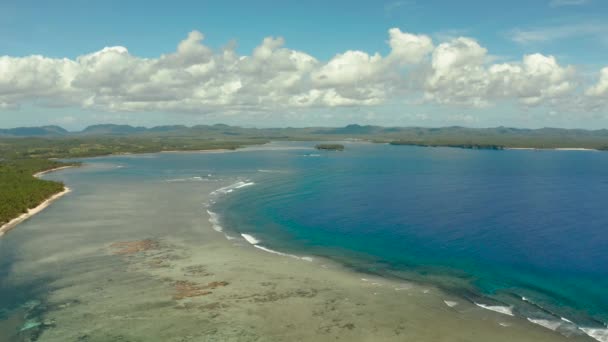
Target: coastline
[(31, 212), (40, 207), (38, 174), (219, 150), (148, 283), (553, 149)]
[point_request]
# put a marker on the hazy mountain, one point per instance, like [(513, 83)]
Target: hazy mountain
[(34, 131), (112, 129)]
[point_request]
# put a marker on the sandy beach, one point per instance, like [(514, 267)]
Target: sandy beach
[(39, 174), (552, 149), (33, 211)]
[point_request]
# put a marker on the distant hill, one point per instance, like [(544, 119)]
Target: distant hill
[(34, 131), (351, 129), (498, 137), (110, 129)]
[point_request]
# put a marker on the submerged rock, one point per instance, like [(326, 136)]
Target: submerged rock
[(187, 289), (132, 247)]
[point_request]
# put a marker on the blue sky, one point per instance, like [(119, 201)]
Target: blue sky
[(573, 32)]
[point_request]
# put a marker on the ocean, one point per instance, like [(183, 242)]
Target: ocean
[(519, 231)]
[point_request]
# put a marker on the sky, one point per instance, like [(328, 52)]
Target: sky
[(535, 63)]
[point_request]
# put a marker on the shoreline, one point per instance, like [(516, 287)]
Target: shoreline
[(38, 174), (219, 150), (192, 281), (5, 228), (553, 149), (31, 212)]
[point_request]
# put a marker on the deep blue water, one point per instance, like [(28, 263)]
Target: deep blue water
[(492, 226)]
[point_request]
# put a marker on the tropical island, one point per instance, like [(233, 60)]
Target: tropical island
[(330, 147)]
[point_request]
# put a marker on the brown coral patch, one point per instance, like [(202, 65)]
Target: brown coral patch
[(187, 289), (132, 247)]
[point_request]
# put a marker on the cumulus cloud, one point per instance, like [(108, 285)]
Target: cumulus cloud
[(196, 78), (460, 74), (601, 88)]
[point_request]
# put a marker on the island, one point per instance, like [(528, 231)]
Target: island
[(464, 146), (330, 147)]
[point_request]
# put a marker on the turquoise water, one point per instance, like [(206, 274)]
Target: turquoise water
[(493, 227), (524, 230)]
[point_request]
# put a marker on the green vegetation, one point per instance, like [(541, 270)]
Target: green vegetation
[(330, 147), (465, 146), (79, 147), (21, 157), (107, 139), (20, 190), (27, 150)]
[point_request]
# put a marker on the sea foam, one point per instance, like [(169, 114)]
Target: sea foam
[(215, 221), (505, 310), (598, 334), (450, 303), (230, 188), (546, 323), (250, 239), (272, 251)]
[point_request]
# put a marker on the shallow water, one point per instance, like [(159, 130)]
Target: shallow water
[(62, 275), (502, 225)]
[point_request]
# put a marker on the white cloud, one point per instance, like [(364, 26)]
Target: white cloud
[(561, 3), (600, 89), (273, 78), (460, 74), (595, 30)]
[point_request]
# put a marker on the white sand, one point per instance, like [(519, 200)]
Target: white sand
[(31, 212)]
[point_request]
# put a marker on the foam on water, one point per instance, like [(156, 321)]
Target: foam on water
[(215, 221), (598, 334), (505, 310), (450, 303), (309, 259), (230, 188), (546, 323), (250, 239)]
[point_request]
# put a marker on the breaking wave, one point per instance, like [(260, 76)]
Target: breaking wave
[(230, 188), (505, 310)]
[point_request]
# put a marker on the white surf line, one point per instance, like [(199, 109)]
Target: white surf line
[(215, 221), (250, 239), (255, 242), (598, 334), (546, 323), (230, 188), (31, 212), (505, 310)]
